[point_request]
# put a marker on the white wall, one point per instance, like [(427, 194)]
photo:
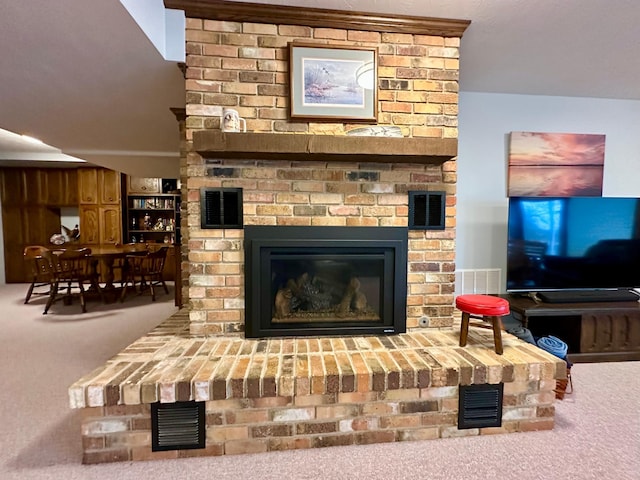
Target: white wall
[(485, 121)]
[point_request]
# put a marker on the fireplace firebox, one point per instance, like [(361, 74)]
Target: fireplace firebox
[(309, 281)]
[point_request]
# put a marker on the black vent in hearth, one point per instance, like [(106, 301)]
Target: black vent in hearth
[(480, 406), (426, 210), (177, 426), (221, 208)]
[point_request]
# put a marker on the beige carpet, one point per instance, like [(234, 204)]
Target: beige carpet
[(597, 433)]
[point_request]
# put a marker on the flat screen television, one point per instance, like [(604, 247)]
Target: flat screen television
[(576, 243)]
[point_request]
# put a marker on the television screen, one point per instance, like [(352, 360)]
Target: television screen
[(559, 243)]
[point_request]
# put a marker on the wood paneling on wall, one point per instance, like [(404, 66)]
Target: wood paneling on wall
[(31, 202)]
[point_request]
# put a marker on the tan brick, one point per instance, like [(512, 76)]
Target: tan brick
[(256, 52), (294, 31), (370, 437), (260, 28), (401, 421), (429, 40), (414, 434), (239, 64), (336, 411), (397, 38), (394, 61), (360, 36), (329, 33), (214, 450), (222, 26), (255, 101), (536, 425), (202, 36), (396, 107), (233, 447), (240, 88), (443, 97), (284, 443)]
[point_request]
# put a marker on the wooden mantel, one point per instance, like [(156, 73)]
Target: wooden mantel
[(318, 17), (214, 144)]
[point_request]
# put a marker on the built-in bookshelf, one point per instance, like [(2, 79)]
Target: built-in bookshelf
[(152, 215)]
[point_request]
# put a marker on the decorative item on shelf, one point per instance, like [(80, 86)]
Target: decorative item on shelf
[(134, 223), (141, 238), (72, 234), (159, 226), (134, 239), (147, 221), (231, 121), (166, 239), (375, 131), (57, 239), (170, 185)]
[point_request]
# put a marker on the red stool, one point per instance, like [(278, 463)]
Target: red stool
[(486, 308)]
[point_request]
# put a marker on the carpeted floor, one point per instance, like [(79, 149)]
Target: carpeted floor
[(597, 433)]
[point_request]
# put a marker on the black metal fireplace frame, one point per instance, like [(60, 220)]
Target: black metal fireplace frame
[(261, 241)]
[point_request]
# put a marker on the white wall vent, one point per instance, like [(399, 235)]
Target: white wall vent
[(481, 281)]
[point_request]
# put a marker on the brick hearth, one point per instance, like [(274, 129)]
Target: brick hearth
[(266, 395)]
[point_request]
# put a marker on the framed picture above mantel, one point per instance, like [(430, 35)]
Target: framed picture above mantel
[(333, 83)]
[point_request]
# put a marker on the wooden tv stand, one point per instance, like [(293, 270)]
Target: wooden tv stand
[(595, 332)]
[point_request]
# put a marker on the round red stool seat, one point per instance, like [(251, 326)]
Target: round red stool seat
[(482, 305), (486, 308)]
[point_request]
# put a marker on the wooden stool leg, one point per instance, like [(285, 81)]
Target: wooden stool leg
[(497, 334), (464, 329)]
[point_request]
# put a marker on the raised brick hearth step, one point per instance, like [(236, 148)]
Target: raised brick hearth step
[(170, 365), (281, 394)]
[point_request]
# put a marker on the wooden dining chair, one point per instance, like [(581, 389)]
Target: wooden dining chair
[(40, 271), (146, 271), (120, 263), (72, 269)]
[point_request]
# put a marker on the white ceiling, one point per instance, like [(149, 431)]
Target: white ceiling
[(82, 76)]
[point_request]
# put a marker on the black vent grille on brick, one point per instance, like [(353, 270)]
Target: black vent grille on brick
[(480, 406), (221, 208), (426, 210), (177, 426)]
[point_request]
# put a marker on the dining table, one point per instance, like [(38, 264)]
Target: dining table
[(105, 258)]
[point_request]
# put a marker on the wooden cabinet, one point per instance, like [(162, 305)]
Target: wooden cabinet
[(88, 186), (594, 332), (33, 186), (109, 186), (90, 224), (110, 225), (62, 188), (100, 211), (143, 185)]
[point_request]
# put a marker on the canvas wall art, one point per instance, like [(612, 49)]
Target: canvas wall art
[(555, 164)]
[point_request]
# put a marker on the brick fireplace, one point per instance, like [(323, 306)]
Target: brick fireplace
[(323, 390), (312, 174)]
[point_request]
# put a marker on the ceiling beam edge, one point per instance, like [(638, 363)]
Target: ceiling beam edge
[(318, 17)]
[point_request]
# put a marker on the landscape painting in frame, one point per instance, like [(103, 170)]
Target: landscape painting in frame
[(327, 82), (555, 164)]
